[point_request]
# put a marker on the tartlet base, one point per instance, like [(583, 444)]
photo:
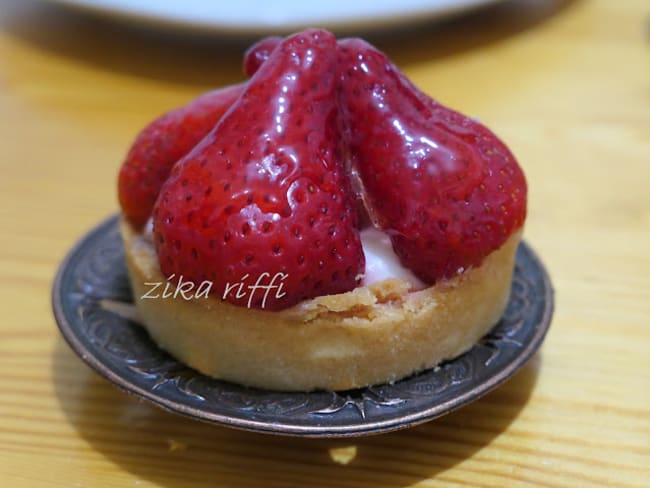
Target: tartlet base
[(370, 335)]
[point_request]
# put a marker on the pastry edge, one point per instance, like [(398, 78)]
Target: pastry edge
[(370, 335)]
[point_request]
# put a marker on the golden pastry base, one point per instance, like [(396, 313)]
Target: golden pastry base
[(370, 335)]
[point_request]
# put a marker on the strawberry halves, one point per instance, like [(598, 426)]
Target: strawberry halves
[(266, 208)]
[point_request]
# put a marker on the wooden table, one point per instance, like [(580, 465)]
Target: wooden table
[(566, 84)]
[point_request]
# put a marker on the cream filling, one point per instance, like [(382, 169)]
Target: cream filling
[(381, 261)]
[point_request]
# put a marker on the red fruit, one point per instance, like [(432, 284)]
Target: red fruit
[(171, 136), (444, 187), (163, 142), (265, 192), (258, 53)]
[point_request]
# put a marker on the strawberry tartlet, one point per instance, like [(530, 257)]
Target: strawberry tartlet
[(324, 225)]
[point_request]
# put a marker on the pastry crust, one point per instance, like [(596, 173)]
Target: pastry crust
[(370, 335)]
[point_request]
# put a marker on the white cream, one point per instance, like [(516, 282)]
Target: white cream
[(148, 229), (382, 262)]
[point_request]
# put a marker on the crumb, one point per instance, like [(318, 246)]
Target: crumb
[(343, 455)]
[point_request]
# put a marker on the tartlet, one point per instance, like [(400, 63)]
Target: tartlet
[(360, 149)]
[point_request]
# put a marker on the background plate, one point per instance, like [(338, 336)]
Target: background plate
[(259, 17), (92, 283)]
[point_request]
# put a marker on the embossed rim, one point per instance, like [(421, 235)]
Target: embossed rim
[(280, 427)]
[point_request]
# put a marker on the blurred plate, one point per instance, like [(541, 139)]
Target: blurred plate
[(259, 17), (92, 300)]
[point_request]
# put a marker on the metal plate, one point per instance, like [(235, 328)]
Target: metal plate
[(94, 274)]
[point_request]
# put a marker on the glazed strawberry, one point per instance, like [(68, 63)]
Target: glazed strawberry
[(163, 142), (258, 53), (264, 195), (171, 136), (443, 186)]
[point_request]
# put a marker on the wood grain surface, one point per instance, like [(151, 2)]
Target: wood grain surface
[(565, 83)]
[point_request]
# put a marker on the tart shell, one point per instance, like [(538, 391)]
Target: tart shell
[(373, 334)]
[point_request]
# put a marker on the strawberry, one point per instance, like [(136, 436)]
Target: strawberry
[(264, 195), (168, 138), (443, 186), (258, 53), (163, 142)]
